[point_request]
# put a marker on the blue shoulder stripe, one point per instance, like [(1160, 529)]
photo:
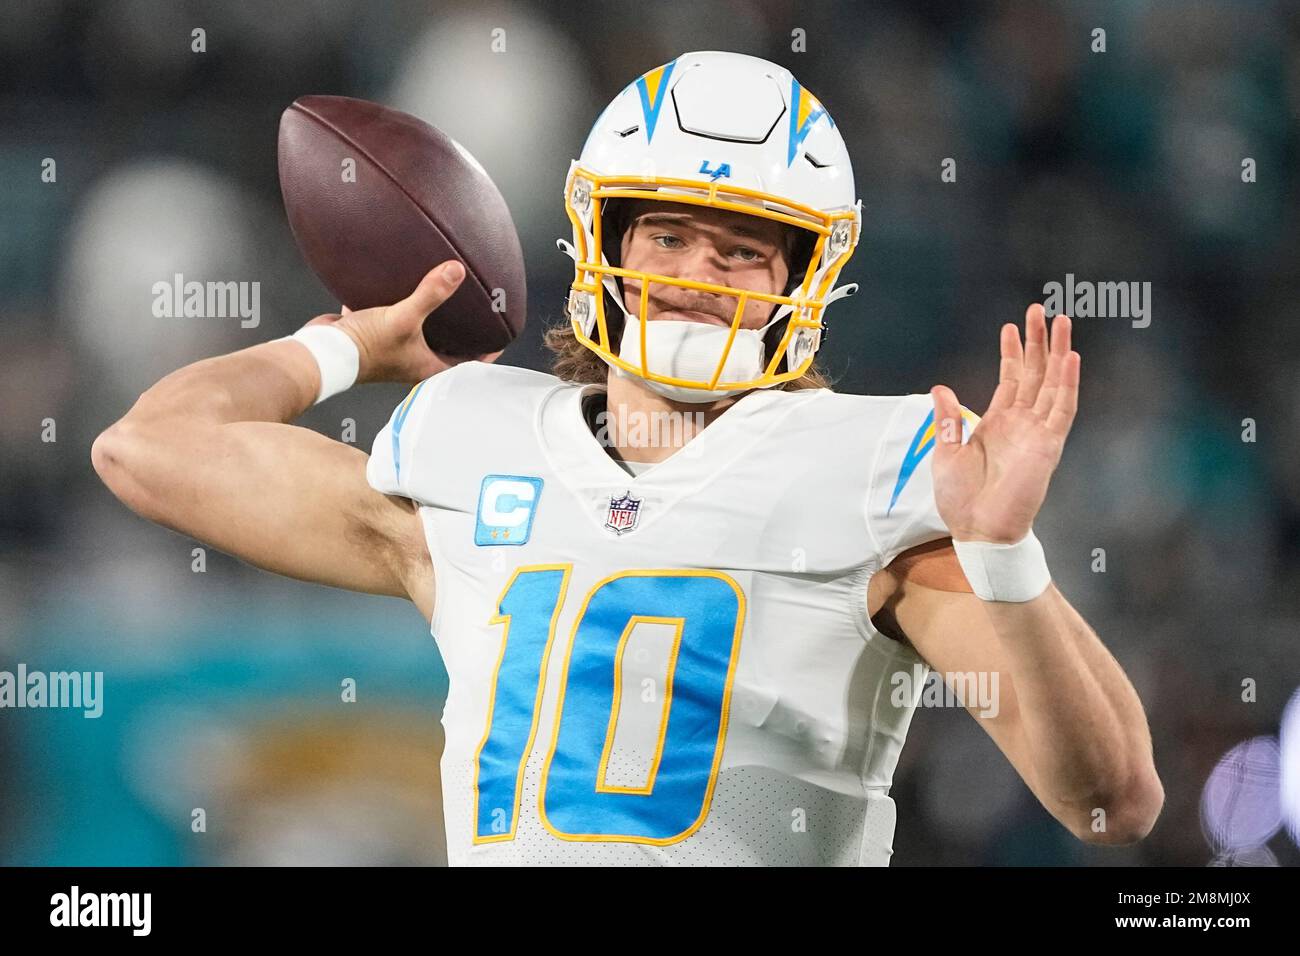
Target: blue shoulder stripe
[(399, 419), (922, 442)]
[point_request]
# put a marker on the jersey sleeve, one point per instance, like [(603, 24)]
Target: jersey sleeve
[(901, 512), (452, 429), (394, 466)]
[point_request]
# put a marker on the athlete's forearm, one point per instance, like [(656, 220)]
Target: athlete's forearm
[(272, 382), (1082, 720), (208, 452), (277, 381)]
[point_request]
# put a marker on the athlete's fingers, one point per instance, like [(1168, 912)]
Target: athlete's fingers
[(1066, 403), (1060, 349), (1009, 369), (434, 289), (1031, 379)]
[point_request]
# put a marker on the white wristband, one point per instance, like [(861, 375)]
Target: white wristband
[(1005, 572), (336, 354)]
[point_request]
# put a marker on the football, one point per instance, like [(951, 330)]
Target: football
[(376, 198)]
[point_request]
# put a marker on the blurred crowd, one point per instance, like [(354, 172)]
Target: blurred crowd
[(1173, 519)]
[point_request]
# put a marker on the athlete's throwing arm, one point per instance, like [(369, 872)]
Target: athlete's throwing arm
[(208, 451)]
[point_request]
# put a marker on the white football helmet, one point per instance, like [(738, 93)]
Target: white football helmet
[(732, 132)]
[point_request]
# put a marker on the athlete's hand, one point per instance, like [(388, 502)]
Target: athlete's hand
[(390, 338), (990, 489)]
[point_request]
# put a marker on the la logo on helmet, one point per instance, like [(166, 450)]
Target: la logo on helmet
[(715, 174)]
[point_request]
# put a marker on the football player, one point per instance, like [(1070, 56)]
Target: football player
[(686, 594)]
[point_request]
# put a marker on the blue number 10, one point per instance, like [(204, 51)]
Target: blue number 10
[(707, 609)]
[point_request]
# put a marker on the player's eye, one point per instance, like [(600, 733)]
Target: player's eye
[(667, 240), (747, 254)]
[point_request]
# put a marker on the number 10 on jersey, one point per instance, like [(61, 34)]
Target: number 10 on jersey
[(707, 611)]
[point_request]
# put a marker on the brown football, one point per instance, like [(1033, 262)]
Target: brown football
[(376, 198)]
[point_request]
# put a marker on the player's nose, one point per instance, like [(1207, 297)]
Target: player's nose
[(703, 263)]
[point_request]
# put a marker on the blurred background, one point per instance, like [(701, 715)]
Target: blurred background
[(224, 684)]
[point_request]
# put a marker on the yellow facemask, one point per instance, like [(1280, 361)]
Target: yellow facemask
[(834, 237)]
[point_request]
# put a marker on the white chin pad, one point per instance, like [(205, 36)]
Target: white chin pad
[(691, 350)]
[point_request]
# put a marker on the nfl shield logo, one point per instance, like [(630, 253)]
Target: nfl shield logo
[(623, 513)]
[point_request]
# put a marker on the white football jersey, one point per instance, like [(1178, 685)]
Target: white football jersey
[(676, 668)]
